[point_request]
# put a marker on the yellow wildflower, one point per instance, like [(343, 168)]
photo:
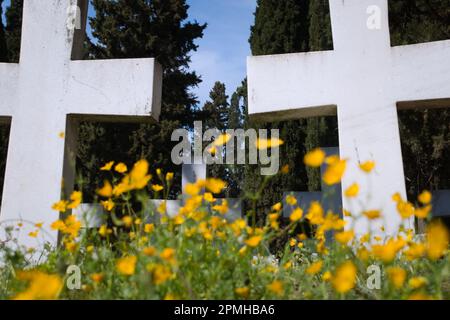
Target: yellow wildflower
[(302, 237), (363, 254), (277, 206), (437, 240), (243, 250), (285, 169), (315, 213), (215, 185), (149, 227), (121, 168), (222, 208), (388, 251), (106, 191), (327, 276), (108, 205), (334, 172), (397, 197), (127, 221), (415, 251), (419, 296), (352, 191), (108, 166), (169, 176), (405, 209), (71, 246), (41, 286), (157, 187), (345, 237), (346, 213), (149, 251), (242, 292), (192, 189), (39, 225), (139, 177), (253, 241), (423, 213), (397, 276), (97, 277), (162, 207), (126, 266), (425, 197), (161, 274), (222, 139), (104, 231), (60, 206), (33, 234), (168, 255), (291, 200), (417, 282), (314, 268), (70, 226), (263, 144), (76, 198), (345, 278), (367, 166), (208, 196), (372, 214), (314, 158), (296, 215), (292, 242), (170, 297), (276, 287)]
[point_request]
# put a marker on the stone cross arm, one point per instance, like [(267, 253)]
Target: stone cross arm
[(362, 64), (127, 87), (363, 80), (49, 88)]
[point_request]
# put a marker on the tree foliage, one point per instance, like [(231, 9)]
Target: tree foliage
[(287, 27), (425, 133), (3, 46), (143, 28)]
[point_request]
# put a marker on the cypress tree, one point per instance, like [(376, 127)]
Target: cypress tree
[(4, 127), (425, 146), (216, 117), (216, 110), (235, 112), (425, 133), (3, 46), (143, 28), (14, 29), (320, 131), (286, 27)]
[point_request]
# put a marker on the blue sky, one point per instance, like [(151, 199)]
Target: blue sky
[(222, 52)]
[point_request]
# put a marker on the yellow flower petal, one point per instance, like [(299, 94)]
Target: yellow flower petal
[(314, 158)]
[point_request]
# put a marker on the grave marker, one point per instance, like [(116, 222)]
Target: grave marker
[(362, 80), (48, 93)]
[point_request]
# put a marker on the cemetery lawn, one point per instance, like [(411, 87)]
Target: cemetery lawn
[(200, 254)]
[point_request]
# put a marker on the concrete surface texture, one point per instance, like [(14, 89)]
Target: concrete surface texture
[(47, 93), (363, 80)]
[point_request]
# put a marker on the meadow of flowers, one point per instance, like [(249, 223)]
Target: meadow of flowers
[(201, 254)]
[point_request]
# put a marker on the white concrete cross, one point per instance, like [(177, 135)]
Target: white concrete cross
[(191, 173), (47, 93), (365, 79)]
